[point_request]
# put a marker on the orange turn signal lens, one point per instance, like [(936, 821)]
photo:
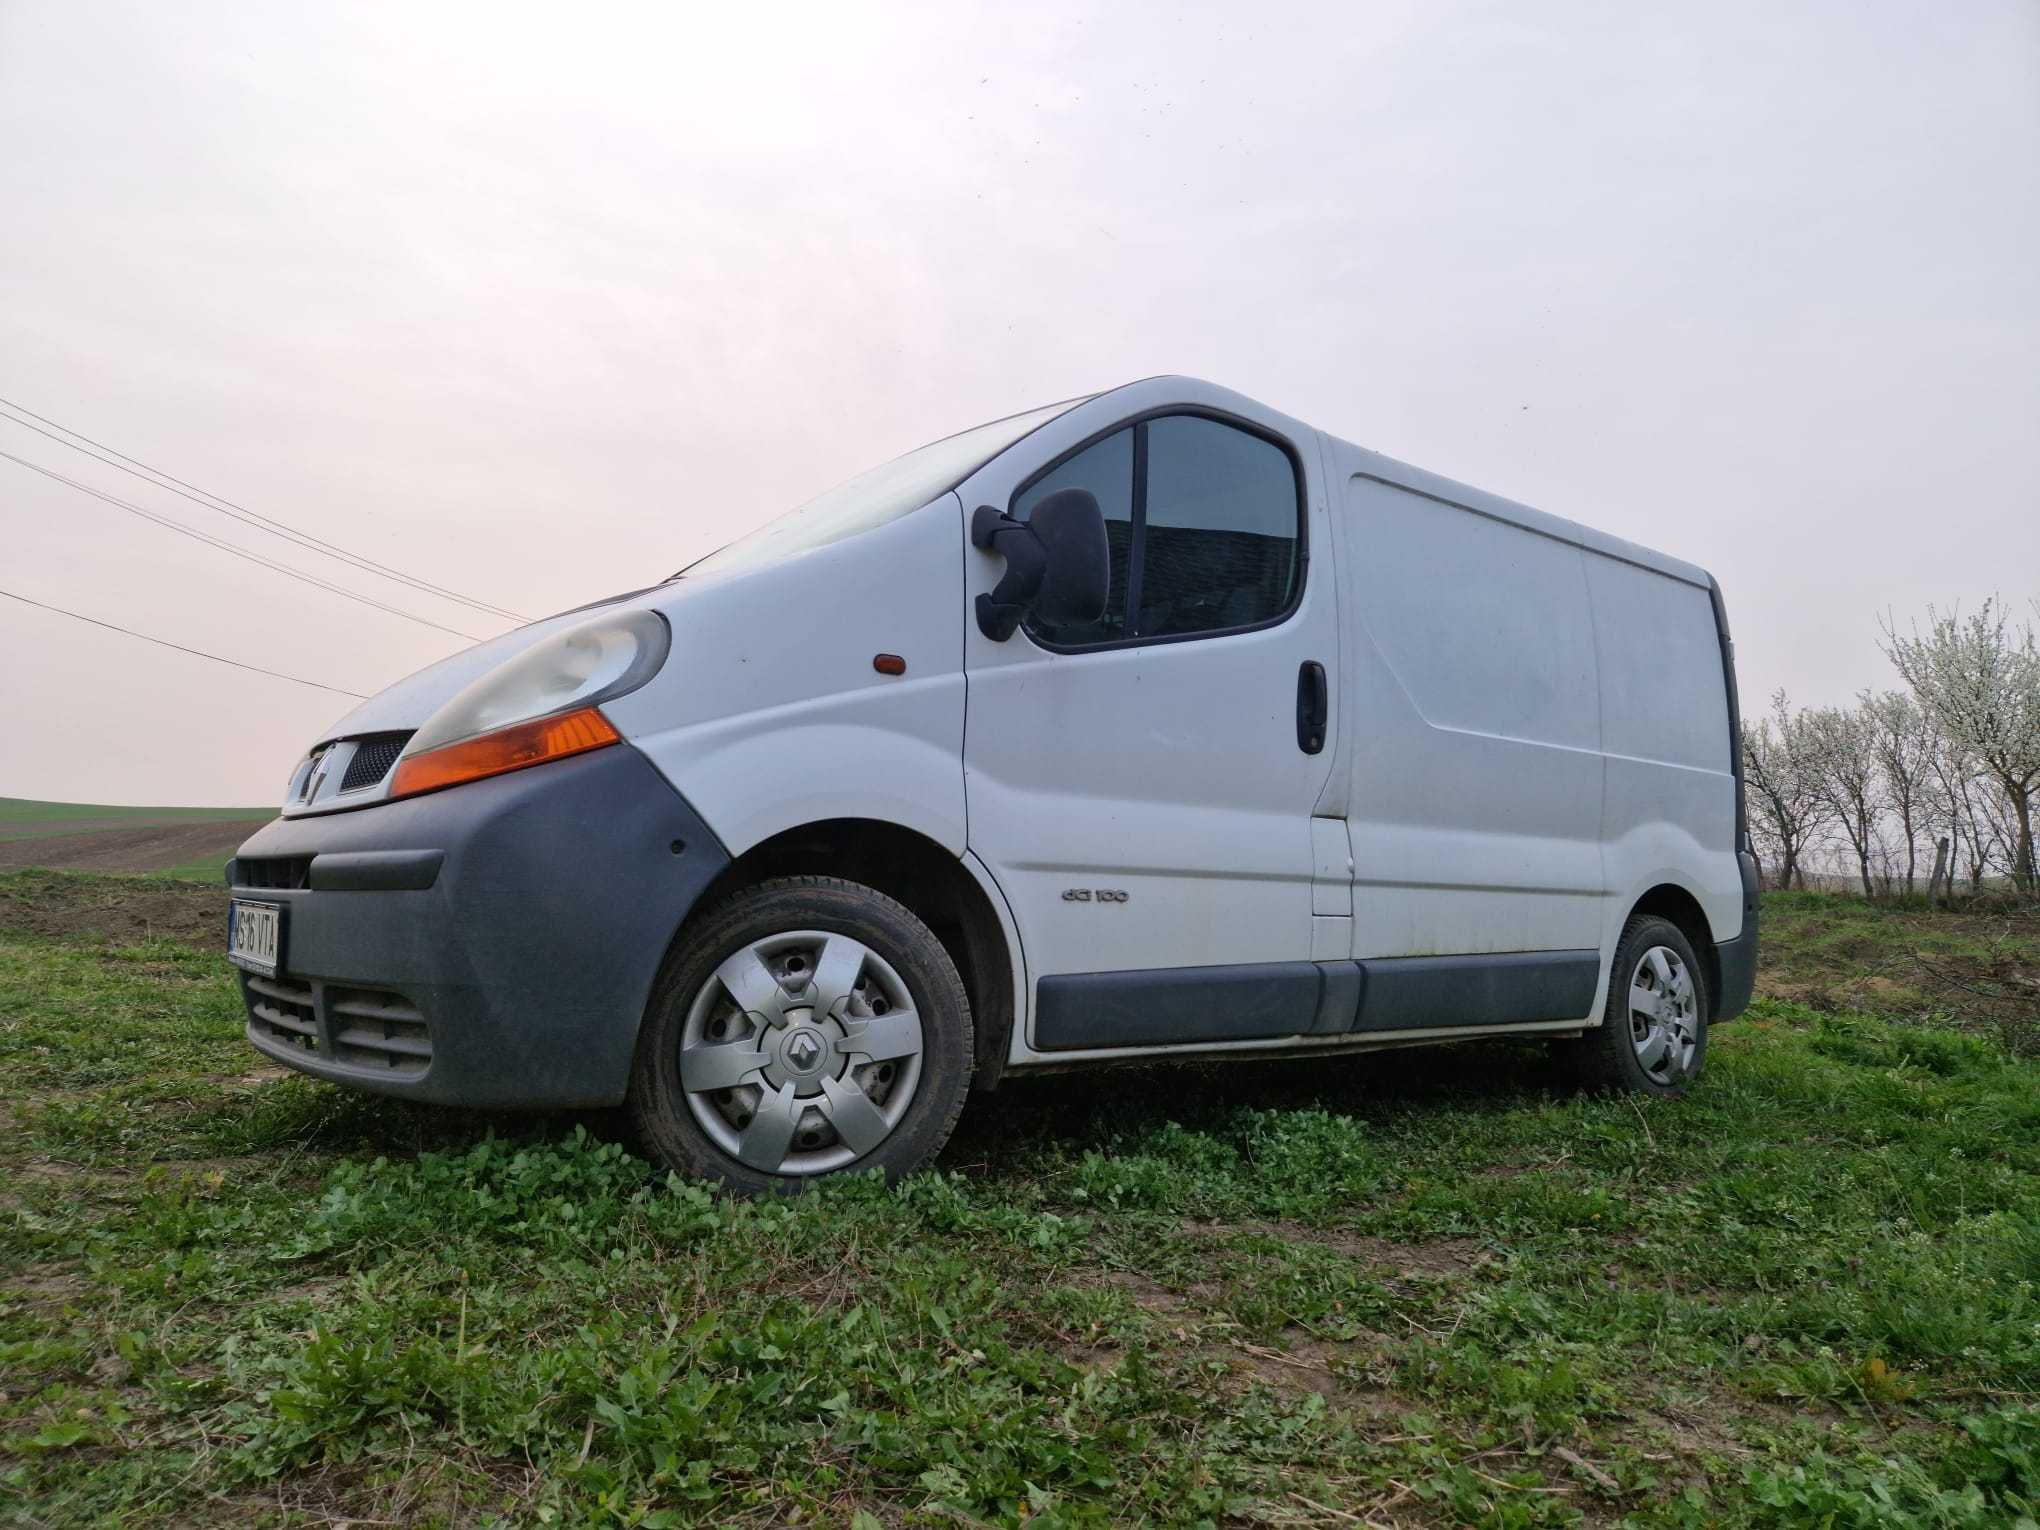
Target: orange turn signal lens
[(512, 748)]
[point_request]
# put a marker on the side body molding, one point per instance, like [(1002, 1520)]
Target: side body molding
[(1267, 1001)]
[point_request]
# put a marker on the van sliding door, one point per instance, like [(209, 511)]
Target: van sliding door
[(1475, 797)]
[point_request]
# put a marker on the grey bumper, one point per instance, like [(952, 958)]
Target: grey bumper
[(494, 944), (1735, 961)]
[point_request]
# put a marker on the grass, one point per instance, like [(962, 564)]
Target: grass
[(1421, 1289), (1976, 967), (211, 870)]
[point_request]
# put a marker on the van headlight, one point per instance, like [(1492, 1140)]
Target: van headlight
[(541, 705)]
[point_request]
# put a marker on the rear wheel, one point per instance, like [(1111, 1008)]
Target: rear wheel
[(806, 1026), (1653, 1033)]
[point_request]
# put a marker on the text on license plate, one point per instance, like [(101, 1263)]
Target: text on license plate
[(255, 935)]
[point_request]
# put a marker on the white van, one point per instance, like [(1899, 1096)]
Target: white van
[(1149, 724)]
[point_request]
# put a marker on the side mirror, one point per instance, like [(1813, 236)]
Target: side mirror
[(1058, 563)]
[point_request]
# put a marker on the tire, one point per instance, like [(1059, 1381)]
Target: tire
[(825, 1028), (1645, 1045)]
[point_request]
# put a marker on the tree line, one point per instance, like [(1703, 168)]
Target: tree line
[(1933, 783)]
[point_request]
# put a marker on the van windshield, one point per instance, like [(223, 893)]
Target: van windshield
[(883, 494)]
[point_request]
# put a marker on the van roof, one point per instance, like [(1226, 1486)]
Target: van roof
[(1448, 491)]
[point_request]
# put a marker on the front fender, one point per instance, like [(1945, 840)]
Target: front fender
[(871, 754)]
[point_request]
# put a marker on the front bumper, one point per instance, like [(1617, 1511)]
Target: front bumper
[(494, 944)]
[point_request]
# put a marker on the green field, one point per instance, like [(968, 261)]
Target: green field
[(1430, 1288), (179, 843), (24, 815)]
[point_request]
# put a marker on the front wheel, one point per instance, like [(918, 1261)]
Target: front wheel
[(1653, 1033), (808, 1025)]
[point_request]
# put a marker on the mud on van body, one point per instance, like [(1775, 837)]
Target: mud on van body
[(1272, 746)]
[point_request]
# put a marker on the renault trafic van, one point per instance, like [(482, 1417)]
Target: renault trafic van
[(1148, 724)]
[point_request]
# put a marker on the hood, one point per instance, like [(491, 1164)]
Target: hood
[(404, 706)]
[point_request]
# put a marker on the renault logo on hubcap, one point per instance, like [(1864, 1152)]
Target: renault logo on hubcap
[(803, 1050)]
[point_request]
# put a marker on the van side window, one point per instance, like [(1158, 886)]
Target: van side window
[(1106, 469), (1219, 547), (1203, 521)]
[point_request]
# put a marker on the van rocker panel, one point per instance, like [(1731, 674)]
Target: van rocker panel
[(1168, 1006), (1258, 1001), (526, 916), (1405, 993)]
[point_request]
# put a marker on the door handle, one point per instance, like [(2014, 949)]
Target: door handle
[(1312, 704)]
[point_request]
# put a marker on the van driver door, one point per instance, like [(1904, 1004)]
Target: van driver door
[(1142, 786)]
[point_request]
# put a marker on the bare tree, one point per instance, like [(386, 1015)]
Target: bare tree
[(1776, 770), (1998, 816), (1980, 680), (1903, 737), (1841, 763), (1955, 806)]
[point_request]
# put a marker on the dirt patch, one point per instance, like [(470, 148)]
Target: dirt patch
[(1149, 1295), (1446, 1256), (1352, 1376), (1708, 1424), (45, 1169), (1303, 1363), (42, 1286), (433, 1492), (1306, 1366), (157, 848), (1699, 1430), (121, 912), (1819, 995), (1441, 1256)]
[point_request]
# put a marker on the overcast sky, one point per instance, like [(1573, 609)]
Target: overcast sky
[(541, 304)]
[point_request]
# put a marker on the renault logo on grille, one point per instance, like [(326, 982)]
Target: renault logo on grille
[(804, 1050), (317, 778)]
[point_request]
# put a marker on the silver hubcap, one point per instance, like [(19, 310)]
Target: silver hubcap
[(1664, 1015), (801, 1054)]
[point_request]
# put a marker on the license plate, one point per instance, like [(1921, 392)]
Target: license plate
[(255, 936)]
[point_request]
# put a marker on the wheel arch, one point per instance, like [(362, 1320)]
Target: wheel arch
[(1677, 906), (934, 884)]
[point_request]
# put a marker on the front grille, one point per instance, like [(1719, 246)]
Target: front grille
[(371, 1028), (373, 758), (282, 1010), (272, 871), (374, 1028)]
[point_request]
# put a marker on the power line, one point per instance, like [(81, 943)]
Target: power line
[(228, 547), (210, 501), (166, 643), (214, 502)]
